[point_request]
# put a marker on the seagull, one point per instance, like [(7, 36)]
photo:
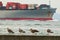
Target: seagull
[(21, 31), (9, 30)]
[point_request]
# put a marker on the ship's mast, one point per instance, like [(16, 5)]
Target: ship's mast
[(49, 2), (49, 12)]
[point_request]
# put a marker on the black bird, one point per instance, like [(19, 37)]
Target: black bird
[(49, 31), (34, 30), (9, 30), (21, 31)]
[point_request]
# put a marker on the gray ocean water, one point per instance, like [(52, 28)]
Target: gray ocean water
[(26, 25)]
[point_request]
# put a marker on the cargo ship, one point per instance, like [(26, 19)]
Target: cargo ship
[(18, 11)]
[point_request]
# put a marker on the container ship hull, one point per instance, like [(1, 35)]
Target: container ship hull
[(39, 14)]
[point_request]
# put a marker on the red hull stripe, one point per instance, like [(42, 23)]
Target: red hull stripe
[(25, 18)]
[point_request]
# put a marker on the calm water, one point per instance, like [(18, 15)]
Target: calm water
[(26, 25)]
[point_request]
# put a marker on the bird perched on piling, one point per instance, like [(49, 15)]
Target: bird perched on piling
[(33, 30), (9, 30), (21, 31)]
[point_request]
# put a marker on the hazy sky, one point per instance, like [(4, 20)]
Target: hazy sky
[(54, 3)]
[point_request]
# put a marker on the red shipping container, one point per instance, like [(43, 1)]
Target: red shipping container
[(23, 6), (18, 5), (1, 4), (11, 5)]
